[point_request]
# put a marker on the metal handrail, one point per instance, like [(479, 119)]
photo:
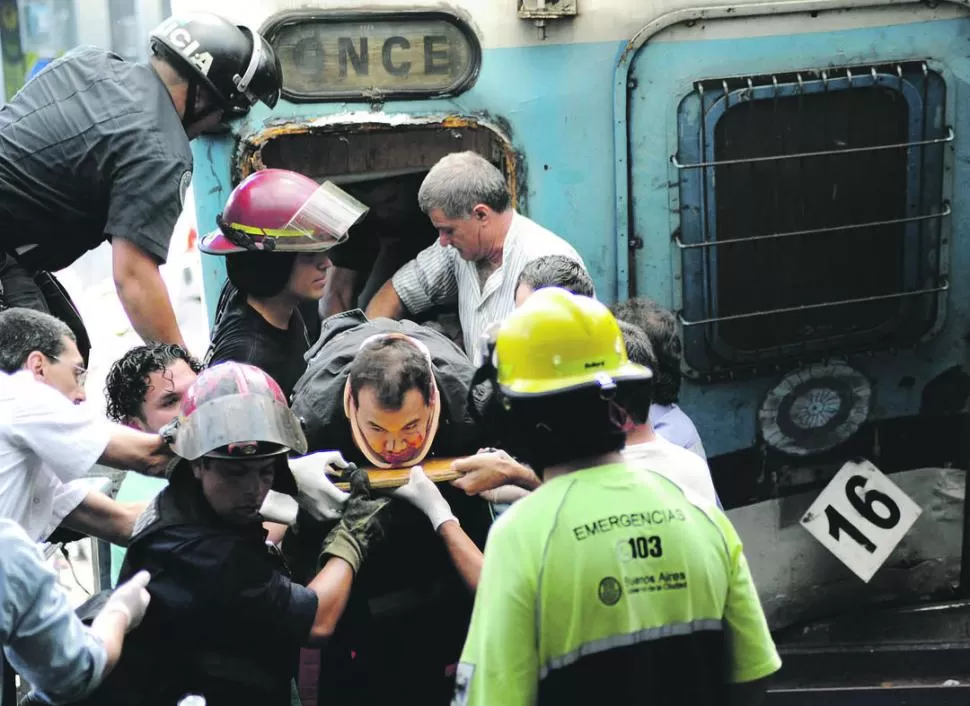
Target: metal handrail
[(802, 155), (947, 210), (807, 307)]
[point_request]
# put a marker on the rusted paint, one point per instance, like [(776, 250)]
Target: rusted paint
[(248, 157)]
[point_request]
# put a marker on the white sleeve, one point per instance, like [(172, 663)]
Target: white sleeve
[(67, 498), (69, 439)]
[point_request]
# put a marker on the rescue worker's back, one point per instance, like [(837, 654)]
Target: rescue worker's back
[(609, 584), (633, 593)]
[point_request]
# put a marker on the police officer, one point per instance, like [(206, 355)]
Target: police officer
[(608, 584), (95, 148)]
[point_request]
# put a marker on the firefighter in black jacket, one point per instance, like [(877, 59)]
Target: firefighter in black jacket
[(225, 620)]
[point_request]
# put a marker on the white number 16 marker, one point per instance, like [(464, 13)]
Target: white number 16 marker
[(860, 517)]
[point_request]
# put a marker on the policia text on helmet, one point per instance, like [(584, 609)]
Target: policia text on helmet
[(561, 380), (228, 68)]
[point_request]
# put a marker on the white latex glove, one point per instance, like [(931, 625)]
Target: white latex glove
[(279, 507), (424, 495), (130, 599), (317, 493)]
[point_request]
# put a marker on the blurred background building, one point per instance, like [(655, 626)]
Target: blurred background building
[(32, 32)]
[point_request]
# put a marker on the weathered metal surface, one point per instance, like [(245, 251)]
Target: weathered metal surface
[(360, 125), (799, 580)]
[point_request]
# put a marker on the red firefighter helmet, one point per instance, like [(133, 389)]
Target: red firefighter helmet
[(276, 210), (235, 410)]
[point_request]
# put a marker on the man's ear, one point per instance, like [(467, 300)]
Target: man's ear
[(197, 469), (481, 212), (347, 397), (36, 363)]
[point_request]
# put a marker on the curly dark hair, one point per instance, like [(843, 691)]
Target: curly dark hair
[(127, 382)]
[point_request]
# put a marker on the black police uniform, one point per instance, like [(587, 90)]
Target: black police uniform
[(90, 149), (225, 621), (405, 624)]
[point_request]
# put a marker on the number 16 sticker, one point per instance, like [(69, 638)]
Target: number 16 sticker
[(860, 517)]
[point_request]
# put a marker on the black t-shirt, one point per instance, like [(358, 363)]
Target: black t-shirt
[(242, 335), (91, 148)]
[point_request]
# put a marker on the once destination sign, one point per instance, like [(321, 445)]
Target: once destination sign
[(328, 58)]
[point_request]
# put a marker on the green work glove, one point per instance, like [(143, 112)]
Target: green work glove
[(359, 527)]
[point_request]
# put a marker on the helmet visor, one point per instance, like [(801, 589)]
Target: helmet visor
[(326, 217), (228, 426), (322, 222)]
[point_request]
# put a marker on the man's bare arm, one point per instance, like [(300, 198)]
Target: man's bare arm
[(466, 557), (143, 293), (332, 586), (100, 516), (386, 303), (130, 449), (491, 470), (338, 293)]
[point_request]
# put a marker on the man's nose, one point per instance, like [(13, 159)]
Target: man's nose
[(444, 240), (80, 395), (252, 488)]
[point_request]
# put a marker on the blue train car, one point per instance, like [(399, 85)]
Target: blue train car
[(789, 176)]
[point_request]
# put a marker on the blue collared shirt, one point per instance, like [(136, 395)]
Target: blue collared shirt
[(42, 638), (675, 426)]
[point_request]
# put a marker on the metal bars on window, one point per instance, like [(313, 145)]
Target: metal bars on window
[(814, 198)]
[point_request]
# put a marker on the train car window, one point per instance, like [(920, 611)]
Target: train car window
[(812, 213)]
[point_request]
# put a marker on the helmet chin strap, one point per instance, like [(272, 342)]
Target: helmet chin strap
[(191, 96)]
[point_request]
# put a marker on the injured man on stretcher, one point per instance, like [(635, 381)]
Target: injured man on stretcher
[(390, 395)]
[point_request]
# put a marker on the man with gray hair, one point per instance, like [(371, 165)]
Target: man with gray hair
[(48, 440), (483, 245)]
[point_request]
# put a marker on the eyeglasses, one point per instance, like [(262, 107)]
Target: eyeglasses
[(80, 372)]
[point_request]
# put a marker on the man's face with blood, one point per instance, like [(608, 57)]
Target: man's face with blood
[(395, 435)]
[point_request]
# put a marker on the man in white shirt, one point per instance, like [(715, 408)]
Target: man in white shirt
[(49, 442), (483, 244)]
